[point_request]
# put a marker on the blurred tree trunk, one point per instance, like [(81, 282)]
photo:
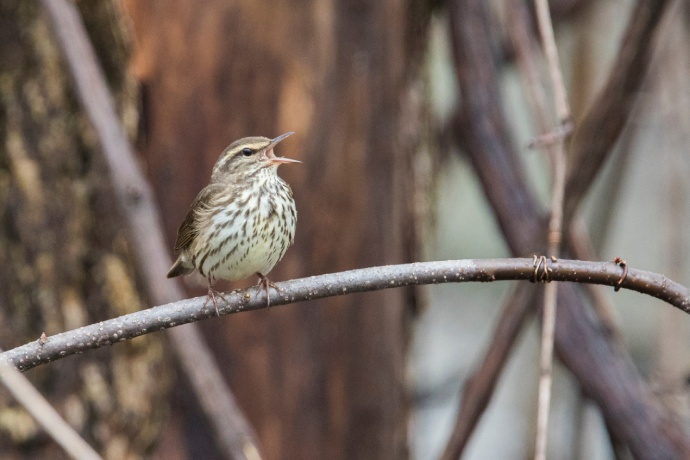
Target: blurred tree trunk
[(64, 260), (323, 380)]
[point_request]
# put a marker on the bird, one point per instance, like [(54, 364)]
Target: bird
[(242, 222)]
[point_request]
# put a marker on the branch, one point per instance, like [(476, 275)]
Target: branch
[(554, 236), (551, 52), (603, 369), (233, 434), (579, 240), (45, 415), (481, 127), (581, 248), (174, 314), (598, 132), (480, 386)]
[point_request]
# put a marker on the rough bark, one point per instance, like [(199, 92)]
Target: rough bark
[(61, 243)]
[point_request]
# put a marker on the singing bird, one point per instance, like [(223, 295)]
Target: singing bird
[(242, 222)]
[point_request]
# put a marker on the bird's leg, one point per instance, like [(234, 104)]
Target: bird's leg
[(266, 284), (212, 293)]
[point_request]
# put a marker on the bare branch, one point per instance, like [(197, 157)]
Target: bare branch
[(174, 314), (551, 52), (479, 388), (232, 432), (553, 142), (44, 414), (597, 133), (602, 368), (579, 239), (481, 127), (554, 236)]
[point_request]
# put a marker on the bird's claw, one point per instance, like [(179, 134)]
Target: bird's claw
[(212, 293), (266, 284)]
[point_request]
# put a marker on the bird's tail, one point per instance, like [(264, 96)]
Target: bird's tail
[(180, 267)]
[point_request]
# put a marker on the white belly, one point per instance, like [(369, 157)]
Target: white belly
[(246, 241)]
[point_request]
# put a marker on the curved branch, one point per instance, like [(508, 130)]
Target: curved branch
[(173, 314)]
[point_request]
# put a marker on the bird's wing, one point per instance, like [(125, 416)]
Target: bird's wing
[(189, 229)]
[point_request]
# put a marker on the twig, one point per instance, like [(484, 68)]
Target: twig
[(44, 414), (555, 226), (553, 141), (579, 239), (174, 314), (551, 52), (232, 431), (479, 388)]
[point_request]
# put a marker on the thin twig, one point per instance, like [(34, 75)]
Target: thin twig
[(551, 52), (579, 240), (126, 327), (545, 370), (45, 415), (232, 432), (555, 226)]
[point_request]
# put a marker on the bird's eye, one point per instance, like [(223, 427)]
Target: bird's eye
[(247, 152)]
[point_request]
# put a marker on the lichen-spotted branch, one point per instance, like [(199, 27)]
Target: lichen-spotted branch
[(173, 314)]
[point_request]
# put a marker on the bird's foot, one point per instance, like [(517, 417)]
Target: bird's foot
[(266, 284), (211, 296)]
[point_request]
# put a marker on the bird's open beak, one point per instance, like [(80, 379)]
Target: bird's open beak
[(272, 158)]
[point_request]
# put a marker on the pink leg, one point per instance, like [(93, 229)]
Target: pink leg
[(265, 283), (212, 293)]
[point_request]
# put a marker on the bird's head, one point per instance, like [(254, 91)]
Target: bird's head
[(247, 156)]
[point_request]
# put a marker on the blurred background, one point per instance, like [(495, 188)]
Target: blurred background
[(386, 100)]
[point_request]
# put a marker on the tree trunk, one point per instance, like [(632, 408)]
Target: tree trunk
[(326, 379), (64, 261)]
